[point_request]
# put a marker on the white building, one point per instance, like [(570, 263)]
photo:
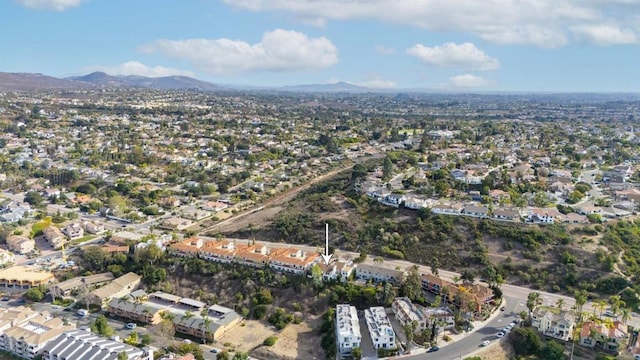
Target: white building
[(84, 345), (6, 258), (348, 335), (382, 334)]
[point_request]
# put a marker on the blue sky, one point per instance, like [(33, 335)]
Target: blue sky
[(479, 45)]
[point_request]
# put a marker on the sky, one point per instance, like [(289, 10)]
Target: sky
[(465, 45)]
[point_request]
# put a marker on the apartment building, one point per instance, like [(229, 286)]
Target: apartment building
[(406, 312), (65, 288), (348, 336), (24, 277), (29, 334), (85, 345), (379, 274), (290, 260), (54, 236), (190, 316), (20, 244), (382, 334), (116, 289)]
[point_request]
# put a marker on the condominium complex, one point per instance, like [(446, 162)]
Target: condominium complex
[(382, 334), (287, 260), (189, 316), (348, 335), (24, 277), (84, 345), (25, 332)]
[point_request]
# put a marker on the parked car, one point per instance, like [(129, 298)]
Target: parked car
[(485, 343), (433, 349), (83, 312), (131, 326), (500, 334)]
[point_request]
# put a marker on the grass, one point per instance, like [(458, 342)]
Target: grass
[(37, 228)]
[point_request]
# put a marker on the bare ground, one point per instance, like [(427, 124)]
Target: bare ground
[(501, 351), (246, 337)]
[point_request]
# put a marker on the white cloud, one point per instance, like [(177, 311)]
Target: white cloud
[(58, 5), (467, 81), (543, 23), (138, 68), (606, 34), (464, 56), (378, 84), (384, 50), (279, 50)]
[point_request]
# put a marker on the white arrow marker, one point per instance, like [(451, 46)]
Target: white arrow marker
[(326, 256)]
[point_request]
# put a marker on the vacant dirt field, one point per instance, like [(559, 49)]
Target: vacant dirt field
[(296, 341), (501, 351)]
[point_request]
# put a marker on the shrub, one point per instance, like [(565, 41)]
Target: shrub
[(270, 341)]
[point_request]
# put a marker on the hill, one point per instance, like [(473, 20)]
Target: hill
[(35, 82), (102, 79)]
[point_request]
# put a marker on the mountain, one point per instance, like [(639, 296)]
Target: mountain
[(161, 83), (337, 87), (34, 82)]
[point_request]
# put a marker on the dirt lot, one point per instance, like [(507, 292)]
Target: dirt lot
[(502, 351), (299, 341)]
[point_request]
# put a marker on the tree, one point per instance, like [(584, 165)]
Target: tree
[(122, 356), (95, 257), (412, 285), (560, 304), (165, 329), (552, 350), (533, 300), (316, 276), (101, 326), (581, 299), (240, 356), (387, 169), (34, 294), (33, 198), (356, 353), (615, 302), (358, 171), (525, 341)]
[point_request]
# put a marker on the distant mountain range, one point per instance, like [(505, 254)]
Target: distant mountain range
[(34, 82)]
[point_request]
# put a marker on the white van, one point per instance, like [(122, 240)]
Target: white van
[(83, 312)]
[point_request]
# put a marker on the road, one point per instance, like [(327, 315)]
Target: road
[(461, 348)]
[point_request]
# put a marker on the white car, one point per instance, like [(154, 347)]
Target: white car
[(131, 326), (485, 343)]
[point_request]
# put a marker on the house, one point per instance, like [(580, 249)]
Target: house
[(588, 208), (20, 244), (214, 206), (30, 332), (476, 211), (382, 334), (176, 223), (84, 345), (93, 228), (187, 248), (73, 231), (116, 289), (544, 216), (506, 215), (378, 274), (337, 270), (348, 336), (393, 200), (54, 236), (573, 218), (6, 258), (406, 313), (599, 335), (556, 325), (447, 209)]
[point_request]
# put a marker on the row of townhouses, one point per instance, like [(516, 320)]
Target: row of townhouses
[(479, 295), (287, 260)]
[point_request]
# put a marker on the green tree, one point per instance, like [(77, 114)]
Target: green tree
[(412, 285), (525, 341), (240, 356), (95, 257), (356, 353), (122, 356), (552, 350), (358, 171), (101, 326), (387, 169), (35, 294), (533, 300), (33, 198)]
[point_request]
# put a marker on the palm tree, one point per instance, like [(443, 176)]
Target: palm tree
[(437, 300), (533, 300), (615, 302), (560, 304), (205, 323), (455, 279), (599, 305), (581, 299), (625, 315)]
